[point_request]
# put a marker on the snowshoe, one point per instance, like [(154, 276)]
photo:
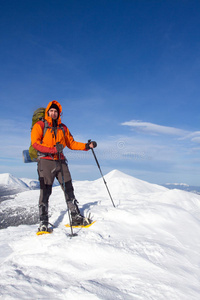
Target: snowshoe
[(80, 226), (79, 220), (44, 229)]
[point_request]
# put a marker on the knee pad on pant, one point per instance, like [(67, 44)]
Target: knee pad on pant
[(46, 187)]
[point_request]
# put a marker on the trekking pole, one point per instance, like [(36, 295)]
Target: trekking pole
[(101, 174), (64, 188)]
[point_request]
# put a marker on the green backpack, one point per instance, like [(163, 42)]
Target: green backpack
[(38, 115)]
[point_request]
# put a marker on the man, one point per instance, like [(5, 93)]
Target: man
[(52, 163)]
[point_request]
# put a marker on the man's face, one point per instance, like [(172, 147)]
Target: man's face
[(53, 113)]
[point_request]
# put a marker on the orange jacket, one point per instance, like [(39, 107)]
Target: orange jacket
[(47, 143)]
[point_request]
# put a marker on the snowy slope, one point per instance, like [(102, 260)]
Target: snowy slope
[(146, 248), (183, 187)]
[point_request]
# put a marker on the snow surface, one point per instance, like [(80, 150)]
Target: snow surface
[(146, 248)]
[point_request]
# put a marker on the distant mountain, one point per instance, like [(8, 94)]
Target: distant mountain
[(7, 180), (183, 187), (35, 184), (10, 185), (31, 183)]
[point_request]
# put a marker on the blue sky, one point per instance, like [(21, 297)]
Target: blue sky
[(126, 74)]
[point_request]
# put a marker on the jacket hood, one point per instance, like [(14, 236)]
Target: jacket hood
[(49, 119)]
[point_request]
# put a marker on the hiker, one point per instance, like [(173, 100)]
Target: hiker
[(52, 162)]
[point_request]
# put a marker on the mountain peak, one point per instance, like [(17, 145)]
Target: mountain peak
[(121, 181)]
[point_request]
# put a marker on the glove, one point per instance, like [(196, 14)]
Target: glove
[(89, 146), (59, 148)]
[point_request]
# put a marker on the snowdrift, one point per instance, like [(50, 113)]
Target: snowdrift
[(145, 248)]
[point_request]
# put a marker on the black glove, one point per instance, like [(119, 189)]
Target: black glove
[(59, 147), (87, 146)]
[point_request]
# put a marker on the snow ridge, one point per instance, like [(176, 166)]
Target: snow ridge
[(145, 248)]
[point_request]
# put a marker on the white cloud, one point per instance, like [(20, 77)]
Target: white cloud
[(193, 136), (151, 128)]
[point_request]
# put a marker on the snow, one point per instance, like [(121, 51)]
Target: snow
[(147, 247)]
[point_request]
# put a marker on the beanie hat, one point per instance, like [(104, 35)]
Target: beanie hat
[(53, 105)]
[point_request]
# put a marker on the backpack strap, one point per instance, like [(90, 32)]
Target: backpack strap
[(63, 129), (46, 126)]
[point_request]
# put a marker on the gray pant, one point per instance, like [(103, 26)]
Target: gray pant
[(48, 170)]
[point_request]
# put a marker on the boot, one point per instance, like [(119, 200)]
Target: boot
[(76, 217), (43, 226)]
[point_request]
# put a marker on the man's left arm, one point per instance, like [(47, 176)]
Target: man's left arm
[(73, 145)]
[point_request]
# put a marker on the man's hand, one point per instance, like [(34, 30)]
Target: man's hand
[(90, 145)]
